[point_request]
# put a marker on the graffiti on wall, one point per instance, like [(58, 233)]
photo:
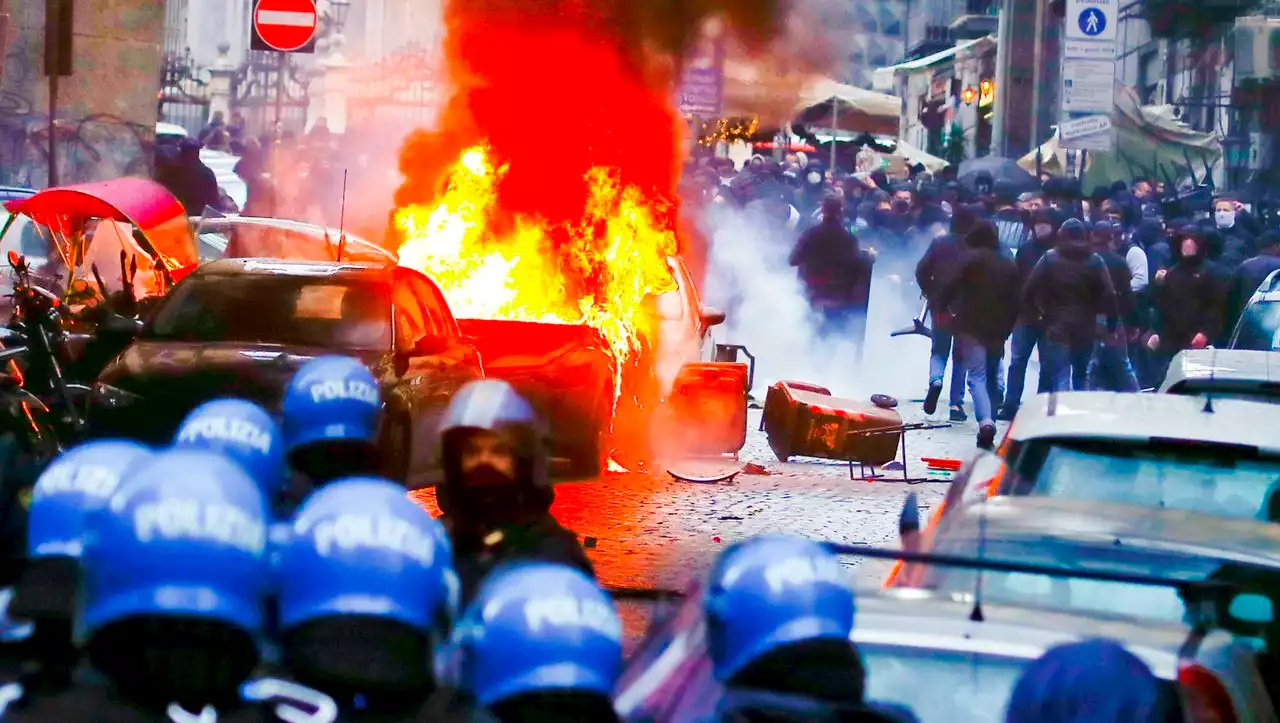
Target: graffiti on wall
[(90, 145)]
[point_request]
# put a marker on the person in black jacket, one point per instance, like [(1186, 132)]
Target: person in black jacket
[(1027, 332), (1070, 288), (1249, 276), (984, 296), (1110, 369), (936, 270), (1187, 303), (496, 495), (835, 271)]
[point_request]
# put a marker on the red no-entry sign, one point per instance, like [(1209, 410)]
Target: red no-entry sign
[(284, 25)]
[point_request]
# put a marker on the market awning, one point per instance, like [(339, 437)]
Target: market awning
[(778, 98), (883, 78), (1149, 142)]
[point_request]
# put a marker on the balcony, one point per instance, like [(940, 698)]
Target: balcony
[(977, 19), (929, 27)]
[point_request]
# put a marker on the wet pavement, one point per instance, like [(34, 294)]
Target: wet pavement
[(652, 532)]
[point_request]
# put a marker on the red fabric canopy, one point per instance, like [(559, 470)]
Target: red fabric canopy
[(138, 201)]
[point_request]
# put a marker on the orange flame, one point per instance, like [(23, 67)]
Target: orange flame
[(619, 248)]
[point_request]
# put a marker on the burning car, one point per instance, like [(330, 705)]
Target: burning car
[(594, 323)]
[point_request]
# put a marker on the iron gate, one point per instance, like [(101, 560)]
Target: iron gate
[(270, 87), (184, 92), (400, 89)]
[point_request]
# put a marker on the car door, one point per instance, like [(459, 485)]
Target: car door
[(427, 376)]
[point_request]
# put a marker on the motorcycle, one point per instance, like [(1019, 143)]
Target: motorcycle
[(43, 413)]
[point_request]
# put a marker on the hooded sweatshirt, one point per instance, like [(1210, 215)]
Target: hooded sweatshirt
[(984, 294), (1188, 302), (1070, 287)]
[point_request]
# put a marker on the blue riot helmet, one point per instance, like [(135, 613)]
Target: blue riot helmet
[(1091, 680), (332, 411), (494, 451), (539, 635), (75, 485), (242, 431), (175, 575), (363, 585), (779, 615)]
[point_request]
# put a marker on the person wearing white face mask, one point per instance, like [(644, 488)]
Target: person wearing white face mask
[(1237, 243)]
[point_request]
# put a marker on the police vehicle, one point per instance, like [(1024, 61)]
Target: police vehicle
[(242, 327)]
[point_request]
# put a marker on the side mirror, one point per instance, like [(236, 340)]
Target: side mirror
[(16, 261), (117, 325), (909, 523), (712, 316), (429, 345)]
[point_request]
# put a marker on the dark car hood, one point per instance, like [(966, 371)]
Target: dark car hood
[(202, 371)]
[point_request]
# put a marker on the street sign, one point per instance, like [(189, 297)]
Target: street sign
[(1091, 20), (1088, 86), (1090, 49), (702, 84), (287, 26), (1087, 133), (1084, 126)]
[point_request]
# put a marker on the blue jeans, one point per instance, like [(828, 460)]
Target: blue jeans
[(976, 359), (1062, 362), (1110, 370), (941, 350), (1024, 340), (995, 377)]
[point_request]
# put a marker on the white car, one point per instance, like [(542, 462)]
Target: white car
[(1220, 457), (1225, 374)]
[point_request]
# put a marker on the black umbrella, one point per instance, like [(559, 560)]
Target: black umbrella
[(1000, 169)]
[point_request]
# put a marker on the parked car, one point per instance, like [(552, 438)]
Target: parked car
[(1124, 540), (928, 652), (242, 327), (1225, 374), (1155, 450), (1259, 325), (259, 237)]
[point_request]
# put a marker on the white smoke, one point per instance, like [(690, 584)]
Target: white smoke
[(749, 277)]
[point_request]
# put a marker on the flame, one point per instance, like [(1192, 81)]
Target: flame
[(613, 466), (598, 271)]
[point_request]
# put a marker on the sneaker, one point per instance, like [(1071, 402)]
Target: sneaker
[(1006, 414), (987, 437), (957, 413), (931, 399)]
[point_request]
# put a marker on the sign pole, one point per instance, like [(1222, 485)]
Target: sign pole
[(280, 62), (52, 55)]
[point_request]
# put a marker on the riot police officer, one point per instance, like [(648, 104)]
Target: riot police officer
[(541, 642), (496, 494), (366, 595), (73, 486), (175, 571), (779, 614), (332, 410), (242, 432)]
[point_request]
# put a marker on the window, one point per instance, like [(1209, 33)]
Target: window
[(1259, 327), (1212, 479), (964, 687), (340, 314)]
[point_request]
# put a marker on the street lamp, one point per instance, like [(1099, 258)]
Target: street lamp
[(337, 14)]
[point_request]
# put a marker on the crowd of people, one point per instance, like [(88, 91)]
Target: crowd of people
[(1105, 287)]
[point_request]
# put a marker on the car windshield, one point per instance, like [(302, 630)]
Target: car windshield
[(963, 687), (1094, 597), (1210, 479), (1268, 393), (277, 309), (1259, 327)]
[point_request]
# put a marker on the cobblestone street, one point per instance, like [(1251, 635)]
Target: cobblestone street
[(650, 531)]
